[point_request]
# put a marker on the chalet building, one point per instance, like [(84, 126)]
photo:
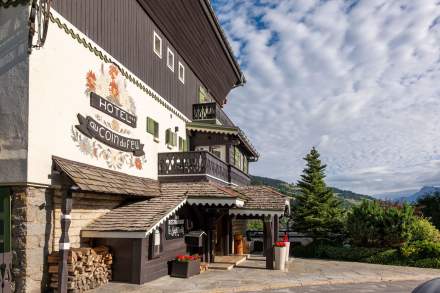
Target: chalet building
[(113, 134)]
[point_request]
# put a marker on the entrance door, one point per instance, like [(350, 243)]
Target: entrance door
[(5, 240)]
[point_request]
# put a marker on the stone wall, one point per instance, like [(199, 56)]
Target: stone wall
[(36, 229)]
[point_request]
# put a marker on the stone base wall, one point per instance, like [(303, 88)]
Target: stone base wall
[(36, 229), (31, 221)]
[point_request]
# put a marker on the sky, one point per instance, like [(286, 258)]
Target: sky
[(357, 79)]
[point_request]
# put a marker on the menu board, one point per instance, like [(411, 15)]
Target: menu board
[(175, 228)]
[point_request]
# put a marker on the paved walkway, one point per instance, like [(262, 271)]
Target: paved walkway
[(250, 276)]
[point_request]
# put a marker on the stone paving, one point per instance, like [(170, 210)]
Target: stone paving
[(250, 276)]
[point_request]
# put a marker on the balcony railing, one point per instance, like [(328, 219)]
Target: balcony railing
[(198, 166), (238, 177), (211, 111)]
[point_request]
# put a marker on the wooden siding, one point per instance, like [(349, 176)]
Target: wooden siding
[(124, 30)]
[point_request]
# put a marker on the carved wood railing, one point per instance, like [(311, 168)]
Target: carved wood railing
[(238, 177), (211, 111), (192, 163)]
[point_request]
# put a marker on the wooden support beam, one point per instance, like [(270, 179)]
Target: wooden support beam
[(64, 244), (231, 235), (276, 228), (268, 242)]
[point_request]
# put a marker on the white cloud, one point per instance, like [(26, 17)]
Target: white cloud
[(357, 79)]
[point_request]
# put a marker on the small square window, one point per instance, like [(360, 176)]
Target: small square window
[(170, 59), (157, 45), (181, 72)]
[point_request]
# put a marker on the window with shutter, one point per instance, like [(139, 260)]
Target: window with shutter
[(153, 127), (181, 144)]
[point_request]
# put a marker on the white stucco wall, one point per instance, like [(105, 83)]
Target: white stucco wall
[(57, 93)]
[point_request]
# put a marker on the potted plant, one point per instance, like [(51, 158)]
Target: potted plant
[(185, 266), (280, 255), (287, 244)]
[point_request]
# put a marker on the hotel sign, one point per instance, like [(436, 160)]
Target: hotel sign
[(93, 129), (175, 228), (107, 107)]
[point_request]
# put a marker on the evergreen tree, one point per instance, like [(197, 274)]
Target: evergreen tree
[(316, 211)]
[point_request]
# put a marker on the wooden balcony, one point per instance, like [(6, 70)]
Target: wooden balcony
[(198, 166), (211, 113)]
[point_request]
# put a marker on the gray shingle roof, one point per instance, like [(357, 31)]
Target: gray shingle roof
[(95, 179), (262, 198), (139, 216)]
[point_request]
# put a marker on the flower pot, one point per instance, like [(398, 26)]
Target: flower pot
[(185, 269), (280, 258), (287, 251)]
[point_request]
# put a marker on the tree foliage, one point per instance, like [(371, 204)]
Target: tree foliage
[(430, 207), (373, 225), (316, 211)]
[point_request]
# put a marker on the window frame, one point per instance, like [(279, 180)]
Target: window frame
[(155, 250), (170, 52), (156, 36), (181, 78), (155, 131)]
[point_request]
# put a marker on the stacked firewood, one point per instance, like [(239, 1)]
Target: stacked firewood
[(88, 268)]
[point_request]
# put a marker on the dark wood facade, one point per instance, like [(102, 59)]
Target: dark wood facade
[(125, 31)]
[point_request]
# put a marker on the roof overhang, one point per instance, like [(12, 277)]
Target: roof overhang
[(237, 202), (252, 212), (226, 130), (131, 234)]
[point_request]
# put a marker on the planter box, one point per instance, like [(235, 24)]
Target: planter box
[(280, 258), (185, 269)]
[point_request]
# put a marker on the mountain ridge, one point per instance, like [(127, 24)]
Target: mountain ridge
[(347, 197)]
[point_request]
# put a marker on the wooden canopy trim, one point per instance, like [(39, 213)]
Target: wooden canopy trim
[(251, 212), (216, 201), (94, 179)]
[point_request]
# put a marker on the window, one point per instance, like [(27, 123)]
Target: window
[(181, 72), (170, 59), (157, 44), (204, 96), (183, 144), (153, 128), (170, 137), (156, 243)]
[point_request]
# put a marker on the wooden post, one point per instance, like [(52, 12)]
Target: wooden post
[(276, 228), (226, 235), (64, 244), (210, 232), (231, 235), (268, 240)]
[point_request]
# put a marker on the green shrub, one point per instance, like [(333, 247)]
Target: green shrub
[(433, 263), (421, 249), (389, 256), (372, 225), (423, 229)]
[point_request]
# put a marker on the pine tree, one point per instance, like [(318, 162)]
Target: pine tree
[(316, 211)]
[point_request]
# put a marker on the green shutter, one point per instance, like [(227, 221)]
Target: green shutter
[(156, 129), (168, 136), (5, 220), (174, 141), (181, 143), (186, 145)]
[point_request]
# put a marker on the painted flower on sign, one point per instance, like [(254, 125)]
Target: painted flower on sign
[(114, 91), (138, 163), (113, 71), (91, 81)]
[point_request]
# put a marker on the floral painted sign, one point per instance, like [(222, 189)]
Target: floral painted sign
[(105, 137)]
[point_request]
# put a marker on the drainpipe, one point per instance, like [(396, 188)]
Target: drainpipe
[(64, 244)]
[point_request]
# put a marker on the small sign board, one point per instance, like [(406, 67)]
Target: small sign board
[(174, 228)]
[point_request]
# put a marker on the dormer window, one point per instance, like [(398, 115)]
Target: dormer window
[(170, 59), (181, 72), (157, 44)]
